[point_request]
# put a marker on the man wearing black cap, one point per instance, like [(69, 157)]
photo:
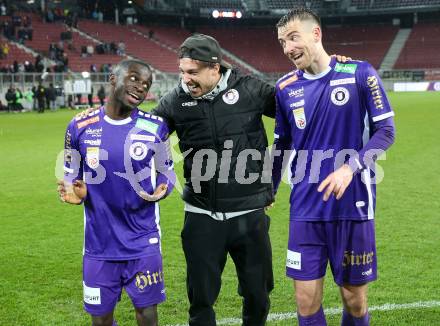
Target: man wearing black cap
[(217, 115)]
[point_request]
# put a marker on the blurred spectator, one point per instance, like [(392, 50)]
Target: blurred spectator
[(93, 68), (2, 9), (39, 65), (28, 67), (113, 48), (121, 49), (50, 17), (16, 20), (51, 96), (41, 97), (28, 100), (90, 50), (70, 103), (150, 34), (18, 100), (90, 97), (34, 93), (10, 98), (27, 21), (101, 95), (5, 50)]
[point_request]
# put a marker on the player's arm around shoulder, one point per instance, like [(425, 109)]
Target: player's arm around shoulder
[(259, 89), (164, 165)]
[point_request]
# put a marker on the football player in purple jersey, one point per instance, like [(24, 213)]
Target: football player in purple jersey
[(334, 119), (117, 163)]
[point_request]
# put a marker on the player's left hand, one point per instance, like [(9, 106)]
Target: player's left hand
[(72, 193), (158, 194), (336, 182), (341, 58)]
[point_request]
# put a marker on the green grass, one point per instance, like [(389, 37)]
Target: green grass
[(41, 239)]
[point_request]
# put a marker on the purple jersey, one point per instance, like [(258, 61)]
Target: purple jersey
[(324, 120), (117, 159)]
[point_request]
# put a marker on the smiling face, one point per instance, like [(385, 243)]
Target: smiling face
[(299, 40), (200, 78), (131, 85)]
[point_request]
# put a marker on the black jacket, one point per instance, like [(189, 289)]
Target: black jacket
[(203, 126)]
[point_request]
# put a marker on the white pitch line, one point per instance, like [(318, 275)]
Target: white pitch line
[(335, 311)]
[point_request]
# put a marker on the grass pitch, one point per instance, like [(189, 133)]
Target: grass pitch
[(41, 238)]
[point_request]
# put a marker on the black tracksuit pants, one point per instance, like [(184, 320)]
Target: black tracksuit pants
[(206, 243)]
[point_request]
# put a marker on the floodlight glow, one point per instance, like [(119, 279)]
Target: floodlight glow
[(238, 14), (215, 14)]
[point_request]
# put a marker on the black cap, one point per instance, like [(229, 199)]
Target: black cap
[(204, 48)]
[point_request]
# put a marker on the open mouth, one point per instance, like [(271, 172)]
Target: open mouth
[(298, 56), (192, 88), (133, 98)]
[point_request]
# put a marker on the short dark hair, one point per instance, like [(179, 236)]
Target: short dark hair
[(125, 64), (299, 13)]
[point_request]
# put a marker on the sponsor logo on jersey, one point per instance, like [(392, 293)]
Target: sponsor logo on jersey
[(93, 142), (94, 132), (191, 103), (342, 81), (348, 68), (149, 126), (368, 272), (297, 104), (142, 137), (300, 118), (299, 92), (376, 94), (138, 151), (360, 203), (92, 157), (91, 295), (68, 147), (231, 96), (84, 123), (91, 114), (288, 81), (352, 258), (340, 96), (147, 279), (293, 259)]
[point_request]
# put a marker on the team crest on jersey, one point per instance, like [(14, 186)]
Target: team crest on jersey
[(138, 151), (340, 96), (231, 96), (300, 118), (92, 157)]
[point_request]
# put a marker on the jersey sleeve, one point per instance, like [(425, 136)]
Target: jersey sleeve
[(73, 163), (282, 143), (380, 116), (374, 95), (163, 159)]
